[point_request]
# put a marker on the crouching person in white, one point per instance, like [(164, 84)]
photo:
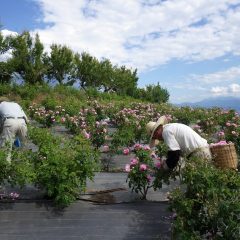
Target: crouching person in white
[(13, 123), (180, 139)]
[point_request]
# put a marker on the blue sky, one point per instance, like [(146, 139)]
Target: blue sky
[(192, 48)]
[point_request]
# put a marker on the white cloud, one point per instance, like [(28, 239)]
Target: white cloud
[(5, 56), (6, 32), (234, 88), (227, 75), (144, 34), (219, 90)]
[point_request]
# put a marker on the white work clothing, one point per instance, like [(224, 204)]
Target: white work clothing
[(178, 136), (13, 123), (13, 128), (12, 110)]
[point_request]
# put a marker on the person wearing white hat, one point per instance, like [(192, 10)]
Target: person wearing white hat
[(180, 139), (13, 123)]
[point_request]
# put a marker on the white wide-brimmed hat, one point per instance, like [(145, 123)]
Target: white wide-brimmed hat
[(151, 127)]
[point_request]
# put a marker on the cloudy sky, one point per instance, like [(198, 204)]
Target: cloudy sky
[(192, 48)]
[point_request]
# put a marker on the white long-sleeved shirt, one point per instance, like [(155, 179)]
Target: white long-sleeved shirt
[(11, 109), (178, 136)]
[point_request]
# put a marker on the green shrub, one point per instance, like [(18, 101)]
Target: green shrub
[(49, 103), (123, 137), (210, 206), (4, 166), (5, 89), (26, 91), (20, 171), (145, 173), (62, 166)]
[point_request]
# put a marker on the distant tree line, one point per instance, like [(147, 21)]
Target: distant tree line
[(61, 65)]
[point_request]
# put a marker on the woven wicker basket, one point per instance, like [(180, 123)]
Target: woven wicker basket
[(224, 156)]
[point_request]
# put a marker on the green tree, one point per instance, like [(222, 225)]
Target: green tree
[(156, 94), (61, 65), (106, 75), (28, 58), (5, 72), (152, 93), (125, 80), (87, 70), (5, 67), (4, 43)]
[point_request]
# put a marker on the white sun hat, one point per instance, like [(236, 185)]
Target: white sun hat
[(151, 127)]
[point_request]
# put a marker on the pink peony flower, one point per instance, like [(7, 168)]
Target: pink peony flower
[(143, 167), (126, 151), (127, 168), (223, 142), (147, 148), (14, 195), (63, 120), (86, 135), (137, 146), (149, 178), (221, 134), (134, 161), (158, 165)]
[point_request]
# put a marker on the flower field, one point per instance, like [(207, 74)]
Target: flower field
[(207, 207)]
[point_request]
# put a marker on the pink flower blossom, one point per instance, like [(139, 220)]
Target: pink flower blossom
[(149, 178), (137, 146), (219, 143), (147, 148), (158, 165), (127, 168), (221, 134), (63, 119), (134, 161), (143, 167), (86, 135), (14, 195), (126, 151)]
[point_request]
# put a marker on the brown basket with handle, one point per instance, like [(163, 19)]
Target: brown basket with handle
[(224, 156)]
